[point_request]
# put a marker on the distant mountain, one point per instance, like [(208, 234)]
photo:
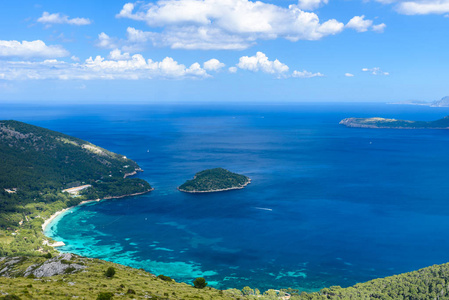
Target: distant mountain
[(443, 102)]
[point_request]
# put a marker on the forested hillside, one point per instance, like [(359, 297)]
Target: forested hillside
[(37, 164)]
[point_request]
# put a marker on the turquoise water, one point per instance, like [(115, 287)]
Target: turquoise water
[(328, 205)]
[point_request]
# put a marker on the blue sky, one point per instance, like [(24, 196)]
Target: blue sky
[(223, 51)]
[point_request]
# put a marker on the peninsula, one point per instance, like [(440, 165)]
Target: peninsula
[(395, 124), (43, 171), (214, 180)]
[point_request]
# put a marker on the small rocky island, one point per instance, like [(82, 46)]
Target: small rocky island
[(214, 180), (395, 124)]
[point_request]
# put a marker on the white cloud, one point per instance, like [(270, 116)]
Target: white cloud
[(105, 41), (230, 24), (424, 7), (359, 24), (379, 28), (35, 48), (311, 4), (375, 71), (349, 75), (122, 66), (306, 74), (260, 62), (213, 65), (232, 70), (75, 58), (58, 18), (419, 7), (116, 54)]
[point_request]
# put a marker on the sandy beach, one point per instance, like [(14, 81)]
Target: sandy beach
[(53, 216)]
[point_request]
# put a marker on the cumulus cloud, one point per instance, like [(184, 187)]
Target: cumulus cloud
[(105, 41), (375, 71), (28, 49), (213, 65), (311, 4), (116, 54), (306, 74), (230, 24), (419, 7), (349, 75), (423, 7), (58, 18), (260, 62), (119, 66), (360, 24), (379, 28)]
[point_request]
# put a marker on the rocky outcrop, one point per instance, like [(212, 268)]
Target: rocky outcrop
[(65, 263)]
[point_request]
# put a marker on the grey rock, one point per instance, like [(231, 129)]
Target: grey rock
[(53, 267)]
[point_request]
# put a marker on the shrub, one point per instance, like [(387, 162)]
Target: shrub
[(200, 283), (69, 270), (10, 297), (110, 272), (164, 278), (47, 255), (105, 296), (131, 291)]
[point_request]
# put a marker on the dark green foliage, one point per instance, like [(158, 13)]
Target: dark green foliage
[(69, 270), (113, 186), (110, 272), (47, 255), (214, 179), (10, 297), (34, 158), (165, 278), (105, 296), (131, 292), (200, 283)]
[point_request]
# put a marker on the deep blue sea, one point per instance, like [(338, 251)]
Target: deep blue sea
[(328, 205)]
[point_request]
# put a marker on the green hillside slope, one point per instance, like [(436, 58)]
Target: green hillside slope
[(37, 164)]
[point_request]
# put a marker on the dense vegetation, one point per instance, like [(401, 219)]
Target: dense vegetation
[(393, 123), (37, 164), (214, 180), (93, 280)]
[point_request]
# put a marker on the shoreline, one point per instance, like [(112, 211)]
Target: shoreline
[(219, 190), (59, 212)]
